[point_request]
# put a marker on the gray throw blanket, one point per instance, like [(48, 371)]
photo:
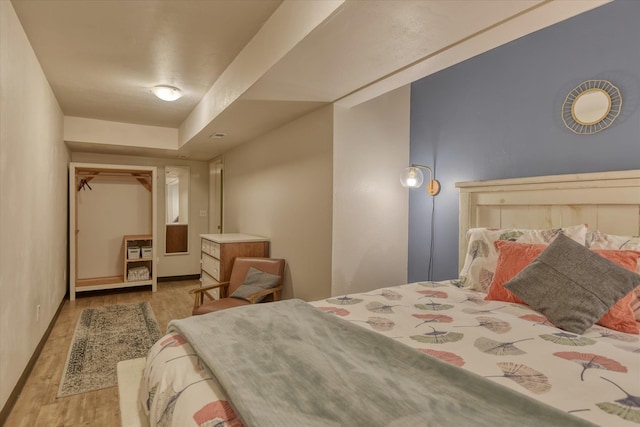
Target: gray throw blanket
[(290, 364)]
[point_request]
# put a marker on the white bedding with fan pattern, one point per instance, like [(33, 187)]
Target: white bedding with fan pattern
[(595, 376)]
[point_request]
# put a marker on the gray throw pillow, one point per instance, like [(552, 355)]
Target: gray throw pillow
[(571, 285), (254, 282)]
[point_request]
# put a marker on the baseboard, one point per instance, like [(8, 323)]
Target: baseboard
[(179, 278), (13, 397)]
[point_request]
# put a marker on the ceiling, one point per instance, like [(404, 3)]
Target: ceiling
[(246, 67)]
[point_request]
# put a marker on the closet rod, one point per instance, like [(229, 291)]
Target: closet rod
[(106, 175), (143, 178)]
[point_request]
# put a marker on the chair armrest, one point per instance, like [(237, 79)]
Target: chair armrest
[(199, 293), (252, 298), (208, 288)]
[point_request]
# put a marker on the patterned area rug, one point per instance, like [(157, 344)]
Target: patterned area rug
[(103, 337)]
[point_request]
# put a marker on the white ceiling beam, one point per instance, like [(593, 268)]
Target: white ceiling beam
[(83, 130), (526, 22), (288, 25)]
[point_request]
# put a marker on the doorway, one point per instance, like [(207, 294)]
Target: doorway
[(216, 196)]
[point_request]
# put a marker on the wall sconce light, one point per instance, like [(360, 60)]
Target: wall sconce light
[(166, 93), (413, 177)]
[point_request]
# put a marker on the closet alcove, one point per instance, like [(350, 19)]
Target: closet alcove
[(112, 227)]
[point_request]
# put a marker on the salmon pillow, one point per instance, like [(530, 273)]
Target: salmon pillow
[(514, 257), (600, 240)]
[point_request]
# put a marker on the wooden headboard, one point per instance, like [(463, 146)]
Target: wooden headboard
[(606, 201)]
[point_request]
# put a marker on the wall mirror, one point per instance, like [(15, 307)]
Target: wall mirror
[(591, 107), (177, 209)]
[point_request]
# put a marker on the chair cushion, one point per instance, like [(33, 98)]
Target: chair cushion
[(254, 282), (220, 304)]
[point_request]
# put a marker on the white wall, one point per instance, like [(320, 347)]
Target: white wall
[(178, 264), (33, 202), (326, 190), (280, 186), (370, 207), (111, 209)]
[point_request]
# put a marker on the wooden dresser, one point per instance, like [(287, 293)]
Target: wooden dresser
[(219, 250)]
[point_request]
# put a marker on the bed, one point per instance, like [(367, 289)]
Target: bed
[(431, 353)]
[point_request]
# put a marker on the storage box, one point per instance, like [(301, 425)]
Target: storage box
[(133, 252), (136, 274), (147, 251)]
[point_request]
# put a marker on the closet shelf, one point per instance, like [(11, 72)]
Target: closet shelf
[(137, 269)]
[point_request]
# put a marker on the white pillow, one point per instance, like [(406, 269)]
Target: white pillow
[(600, 240), (482, 255)]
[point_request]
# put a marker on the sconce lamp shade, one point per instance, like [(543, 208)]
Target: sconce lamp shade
[(412, 177), (166, 93)]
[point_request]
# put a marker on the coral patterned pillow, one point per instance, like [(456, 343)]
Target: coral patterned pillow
[(600, 240), (514, 257), (635, 303)]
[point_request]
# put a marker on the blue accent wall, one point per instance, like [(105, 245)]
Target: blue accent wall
[(498, 115)]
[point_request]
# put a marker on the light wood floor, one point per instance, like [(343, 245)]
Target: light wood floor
[(37, 405)]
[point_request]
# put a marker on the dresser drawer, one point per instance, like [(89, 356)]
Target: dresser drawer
[(207, 280), (211, 248), (211, 265)]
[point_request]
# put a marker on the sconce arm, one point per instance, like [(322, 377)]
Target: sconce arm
[(433, 185)]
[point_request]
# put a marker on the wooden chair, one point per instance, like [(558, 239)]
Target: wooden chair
[(239, 271)]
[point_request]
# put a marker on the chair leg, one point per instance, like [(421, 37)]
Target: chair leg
[(198, 300)]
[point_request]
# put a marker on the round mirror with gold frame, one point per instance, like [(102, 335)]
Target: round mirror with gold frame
[(591, 107)]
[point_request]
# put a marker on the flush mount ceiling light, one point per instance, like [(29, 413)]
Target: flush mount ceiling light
[(166, 93), (217, 135)]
